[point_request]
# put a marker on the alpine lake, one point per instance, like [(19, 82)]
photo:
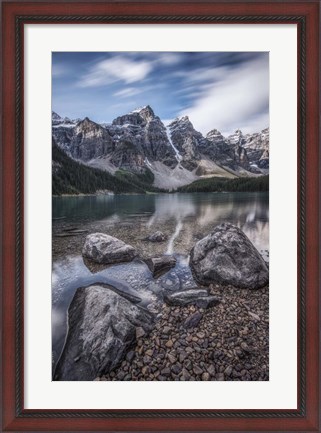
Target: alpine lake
[(184, 219)]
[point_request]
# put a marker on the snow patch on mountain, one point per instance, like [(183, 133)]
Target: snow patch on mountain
[(64, 125), (146, 161), (138, 109), (177, 154)]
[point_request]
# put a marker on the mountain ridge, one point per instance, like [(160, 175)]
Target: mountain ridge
[(176, 154)]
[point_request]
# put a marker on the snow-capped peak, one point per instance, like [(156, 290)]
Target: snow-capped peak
[(138, 109)]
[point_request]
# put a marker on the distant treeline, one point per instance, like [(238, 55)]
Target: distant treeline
[(142, 180), (71, 177), (219, 184)]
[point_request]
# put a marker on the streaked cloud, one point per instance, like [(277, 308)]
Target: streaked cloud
[(118, 68), (222, 90), (127, 92), (236, 99)]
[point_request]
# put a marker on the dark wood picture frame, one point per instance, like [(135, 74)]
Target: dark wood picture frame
[(305, 15)]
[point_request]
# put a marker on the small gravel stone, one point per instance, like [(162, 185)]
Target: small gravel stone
[(139, 332), (130, 355), (166, 371), (197, 370), (171, 358), (169, 343), (211, 370), (206, 376), (228, 370), (193, 320), (176, 368)]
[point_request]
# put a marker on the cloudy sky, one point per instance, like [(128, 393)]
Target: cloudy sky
[(224, 90)]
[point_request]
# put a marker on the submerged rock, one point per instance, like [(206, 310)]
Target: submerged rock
[(191, 296), (226, 256), (105, 249), (160, 265), (157, 237), (102, 327)]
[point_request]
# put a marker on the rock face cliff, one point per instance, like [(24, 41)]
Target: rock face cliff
[(144, 134), (176, 154), (187, 141)]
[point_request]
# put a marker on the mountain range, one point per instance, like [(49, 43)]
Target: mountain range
[(175, 154)]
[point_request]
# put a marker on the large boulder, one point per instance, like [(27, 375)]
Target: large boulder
[(105, 249), (102, 328), (227, 256)]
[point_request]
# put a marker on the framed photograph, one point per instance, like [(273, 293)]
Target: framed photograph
[(160, 214)]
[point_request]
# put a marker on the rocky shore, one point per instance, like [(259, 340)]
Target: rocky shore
[(217, 330), (228, 342)]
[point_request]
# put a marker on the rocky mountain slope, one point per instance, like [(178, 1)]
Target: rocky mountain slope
[(72, 177), (176, 155)]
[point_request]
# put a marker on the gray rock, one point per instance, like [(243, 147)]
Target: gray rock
[(140, 332), (182, 356), (208, 302), (130, 355), (157, 237), (206, 376), (197, 370), (254, 316), (245, 347), (185, 297), (193, 320), (228, 370), (102, 248), (176, 369), (226, 256), (211, 370), (220, 376), (186, 375), (166, 371), (160, 265), (172, 359), (101, 330)]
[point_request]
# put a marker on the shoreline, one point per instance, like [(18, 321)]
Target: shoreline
[(229, 342), (110, 193)]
